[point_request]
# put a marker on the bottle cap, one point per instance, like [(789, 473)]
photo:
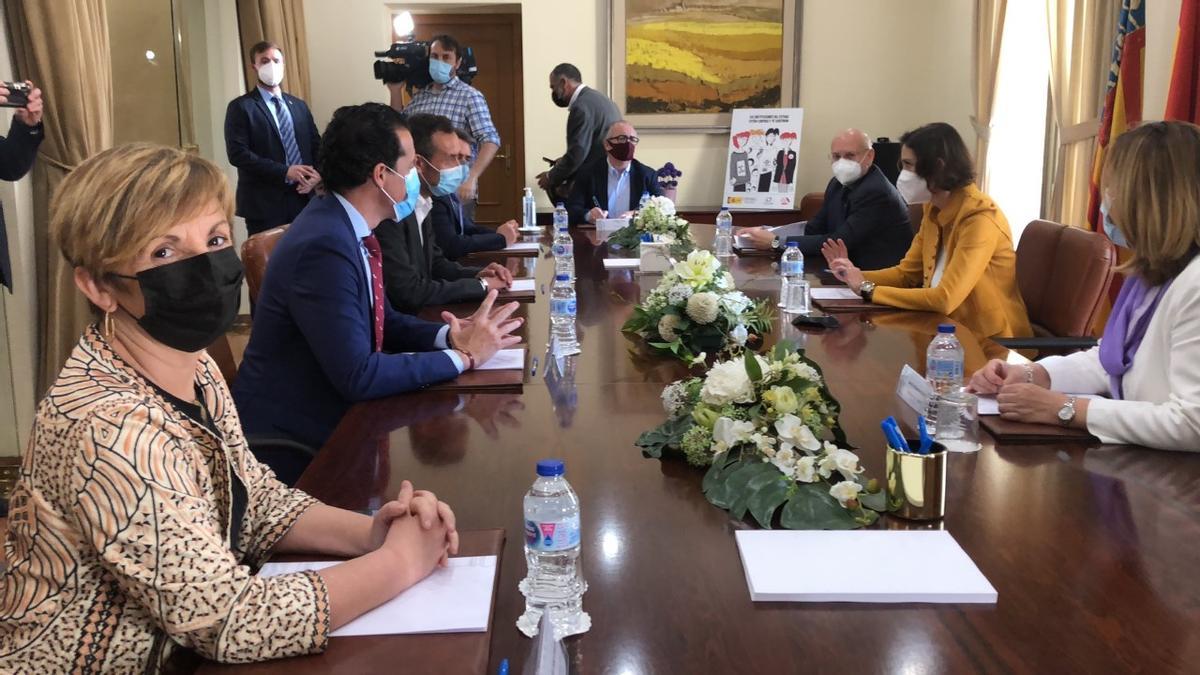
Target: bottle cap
[(562, 277), (793, 244), (946, 328), (559, 206), (550, 467)]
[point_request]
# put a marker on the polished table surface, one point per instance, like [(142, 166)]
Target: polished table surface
[(1094, 550)]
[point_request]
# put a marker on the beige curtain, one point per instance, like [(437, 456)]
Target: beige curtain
[(281, 22), (1081, 35), (986, 39), (62, 45)]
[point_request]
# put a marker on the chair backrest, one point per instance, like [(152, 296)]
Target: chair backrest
[(222, 353), (1063, 273), (809, 205), (256, 251), (915, 213)]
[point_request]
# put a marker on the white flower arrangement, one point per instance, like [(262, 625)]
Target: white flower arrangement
[(656, 218)]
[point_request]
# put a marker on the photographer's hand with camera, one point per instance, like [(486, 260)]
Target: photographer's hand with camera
[(31, 114), (486, 332)]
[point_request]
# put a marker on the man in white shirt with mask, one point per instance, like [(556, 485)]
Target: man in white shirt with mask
[(861, 208), (271, 138)]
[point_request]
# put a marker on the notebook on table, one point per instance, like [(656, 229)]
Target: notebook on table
[(1008, 431), (521, 290), (503, 373)]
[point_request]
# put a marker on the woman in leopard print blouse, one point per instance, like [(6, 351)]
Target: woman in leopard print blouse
[(140, 514)]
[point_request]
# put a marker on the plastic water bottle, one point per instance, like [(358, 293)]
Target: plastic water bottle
[(723, 244), (943, 369), (796, 298), (564, 246), (528, 210), (642, 202), (562, 315), (554, 580)]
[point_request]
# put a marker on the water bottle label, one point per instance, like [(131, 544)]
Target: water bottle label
[(546, 537), (946, 369), (562, 249), (562, 307), (792, 267)]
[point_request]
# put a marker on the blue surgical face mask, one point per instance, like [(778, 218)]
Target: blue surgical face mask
[(1110, 228), (448, 179), (440, 71), (412, 189)]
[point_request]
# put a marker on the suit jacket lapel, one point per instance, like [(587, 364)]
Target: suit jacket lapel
[(262, 105)]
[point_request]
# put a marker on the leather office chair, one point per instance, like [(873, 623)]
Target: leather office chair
[(1063, 273), (915, 213), (809, 205), (256, 251)]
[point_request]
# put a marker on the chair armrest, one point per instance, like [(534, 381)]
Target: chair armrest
[(1048, 343)]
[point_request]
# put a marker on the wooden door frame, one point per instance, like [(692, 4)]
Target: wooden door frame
[(513, 151)]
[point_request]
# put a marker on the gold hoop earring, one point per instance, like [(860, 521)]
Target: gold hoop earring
[(108, 326)]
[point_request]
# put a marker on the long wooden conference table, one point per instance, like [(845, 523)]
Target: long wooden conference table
[(1094, 550)]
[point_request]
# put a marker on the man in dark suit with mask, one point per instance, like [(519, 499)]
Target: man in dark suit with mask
[(592, 114), (614, 184), (271, 138), (17, 152)]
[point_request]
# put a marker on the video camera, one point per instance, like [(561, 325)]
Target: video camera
[(408, 63)]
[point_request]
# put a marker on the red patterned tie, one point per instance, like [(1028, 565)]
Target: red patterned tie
[(376, 259)]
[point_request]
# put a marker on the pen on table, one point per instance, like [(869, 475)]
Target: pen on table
[(891, 433), (503, 670), (533, 368)]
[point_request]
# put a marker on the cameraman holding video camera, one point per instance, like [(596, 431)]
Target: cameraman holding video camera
[(18, 149), (463, 104)]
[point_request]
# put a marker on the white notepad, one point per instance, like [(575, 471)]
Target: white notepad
[(523, 246), (521, 285), (834, 293), (453, 599), (873, 566), (505, 359), (622, 263)]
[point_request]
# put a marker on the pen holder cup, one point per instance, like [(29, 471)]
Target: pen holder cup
[(916, 484)]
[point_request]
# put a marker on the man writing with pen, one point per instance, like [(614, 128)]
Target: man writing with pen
[(614, 185)]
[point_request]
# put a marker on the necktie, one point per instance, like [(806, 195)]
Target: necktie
[(287, 133), (375, 256)]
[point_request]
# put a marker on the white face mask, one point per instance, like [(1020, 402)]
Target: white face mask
[(913, 188), (271, 73), (847, 171)]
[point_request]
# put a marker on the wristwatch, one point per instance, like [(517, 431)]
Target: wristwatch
[(1067, 412), (776, 243), (866, 290)]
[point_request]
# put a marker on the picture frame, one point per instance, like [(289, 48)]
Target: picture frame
[(698, 122)]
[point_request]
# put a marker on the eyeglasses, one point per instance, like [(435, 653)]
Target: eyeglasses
[(623, 139)]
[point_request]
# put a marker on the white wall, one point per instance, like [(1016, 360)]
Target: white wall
[(883, 65), (18, 318), (1162, 23)]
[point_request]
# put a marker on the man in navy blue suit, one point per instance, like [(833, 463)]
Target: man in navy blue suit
[(615, 184), (456, 233), (271, 138), (324, 335)]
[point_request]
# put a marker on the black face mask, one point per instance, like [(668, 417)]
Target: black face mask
[(191, 303), (560, 100)]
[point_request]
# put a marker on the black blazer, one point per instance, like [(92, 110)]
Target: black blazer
[(17, 152), (456, 234), (868, 214), (592, 182), (416, 274), (253, 144)]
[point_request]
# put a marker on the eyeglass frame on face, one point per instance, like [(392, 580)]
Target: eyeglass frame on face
[(622, 139)]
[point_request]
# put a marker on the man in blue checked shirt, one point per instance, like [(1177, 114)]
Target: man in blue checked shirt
[(463, 104)]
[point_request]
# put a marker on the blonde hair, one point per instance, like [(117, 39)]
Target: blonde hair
[(108, 210), (1152, 177)]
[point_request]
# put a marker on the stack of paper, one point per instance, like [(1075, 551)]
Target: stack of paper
[(860, 566), (834, 293), (521, 286), (523, 246), (505, 359), (622, 263), (454, 599)]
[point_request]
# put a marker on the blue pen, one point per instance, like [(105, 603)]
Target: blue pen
[(895, 438), (926, 441), (503, 667), (887, 435)]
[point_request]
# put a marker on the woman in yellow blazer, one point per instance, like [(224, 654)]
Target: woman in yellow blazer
[(961, 263)]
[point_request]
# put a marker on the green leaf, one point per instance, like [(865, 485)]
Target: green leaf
[(753, 370), (766, 499), (714, 484), (812, 508), (744, 482), (873, 502), (666, 436)]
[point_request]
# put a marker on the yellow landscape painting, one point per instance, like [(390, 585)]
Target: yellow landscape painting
[(702, 57)]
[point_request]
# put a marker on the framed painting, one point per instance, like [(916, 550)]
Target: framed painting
[(680, 65)]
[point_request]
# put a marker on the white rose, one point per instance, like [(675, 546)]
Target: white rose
[(702, 308), (728, 433), (663, 205), (727, 383), (740, 335), (843, 461), (805, 470), (845, 491), (804, 371), (791, 429)]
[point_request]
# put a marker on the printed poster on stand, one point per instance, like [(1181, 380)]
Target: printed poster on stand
[(763, 147)]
